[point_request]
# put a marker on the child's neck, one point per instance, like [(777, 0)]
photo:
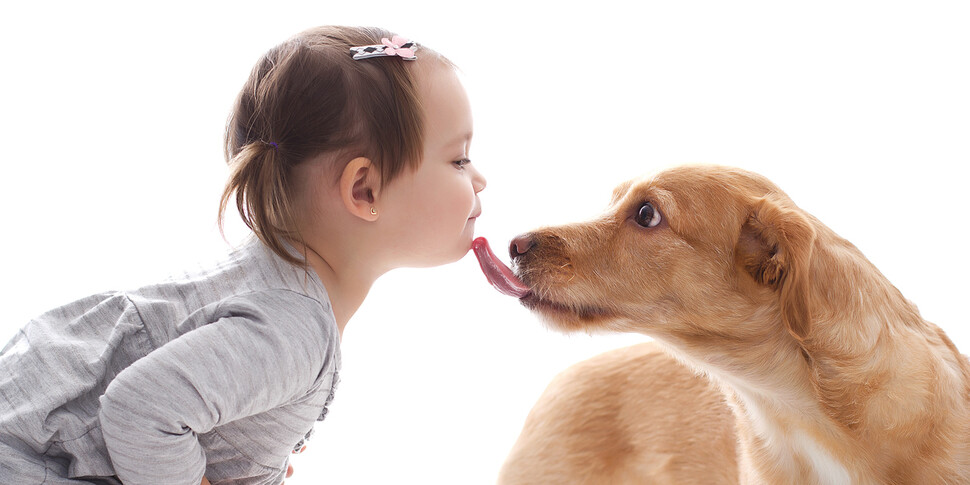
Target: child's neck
[(346, 286)]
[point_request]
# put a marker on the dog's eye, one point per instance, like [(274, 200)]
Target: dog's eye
[(648, 216)]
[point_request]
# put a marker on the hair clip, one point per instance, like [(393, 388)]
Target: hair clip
[(396, 46)]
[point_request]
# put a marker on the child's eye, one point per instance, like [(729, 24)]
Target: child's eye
[(461, 163)]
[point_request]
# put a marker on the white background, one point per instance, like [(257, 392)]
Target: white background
[(112, 120)]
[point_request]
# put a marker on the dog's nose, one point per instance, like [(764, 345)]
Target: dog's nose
[(521, 245)]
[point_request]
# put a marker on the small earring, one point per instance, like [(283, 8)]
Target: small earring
[(373, 211)]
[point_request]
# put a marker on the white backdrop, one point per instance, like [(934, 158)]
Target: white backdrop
[(112, 120)]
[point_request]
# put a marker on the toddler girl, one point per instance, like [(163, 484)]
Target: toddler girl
[(348, 150)]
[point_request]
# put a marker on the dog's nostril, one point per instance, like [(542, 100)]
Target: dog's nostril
[(521, 245)]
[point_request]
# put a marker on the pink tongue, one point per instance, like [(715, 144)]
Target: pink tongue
[(498, 274)]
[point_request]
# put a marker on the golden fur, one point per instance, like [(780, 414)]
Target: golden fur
[(826, 373)]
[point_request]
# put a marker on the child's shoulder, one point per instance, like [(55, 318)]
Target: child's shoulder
[(248, 271), (252, 282)]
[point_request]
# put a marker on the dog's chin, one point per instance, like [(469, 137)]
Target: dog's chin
[(568, 317)]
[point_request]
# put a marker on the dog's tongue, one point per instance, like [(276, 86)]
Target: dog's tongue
[(498, 274)]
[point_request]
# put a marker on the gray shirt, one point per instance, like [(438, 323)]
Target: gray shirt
[(221, 373)]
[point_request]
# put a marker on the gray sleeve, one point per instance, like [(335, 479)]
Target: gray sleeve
[(262, 350)]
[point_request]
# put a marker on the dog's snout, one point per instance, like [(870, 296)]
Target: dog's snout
[(521, 245)]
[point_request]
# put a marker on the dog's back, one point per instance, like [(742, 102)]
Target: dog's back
[(628, 416)]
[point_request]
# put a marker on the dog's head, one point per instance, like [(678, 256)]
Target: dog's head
[(684, 253)]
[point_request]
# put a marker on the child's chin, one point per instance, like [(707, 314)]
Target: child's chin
[(445, 256), (462, 247)]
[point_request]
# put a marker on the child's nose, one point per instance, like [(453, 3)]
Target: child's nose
[(479, 182)]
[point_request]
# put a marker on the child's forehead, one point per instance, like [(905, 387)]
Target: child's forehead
[(446, 107), (433, 73)]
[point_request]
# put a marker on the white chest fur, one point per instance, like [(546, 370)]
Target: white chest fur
[(792, 449)]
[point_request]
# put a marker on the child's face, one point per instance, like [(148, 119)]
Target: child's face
[(433, 209)]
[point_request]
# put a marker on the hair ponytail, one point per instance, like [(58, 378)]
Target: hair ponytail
[(258, 180)]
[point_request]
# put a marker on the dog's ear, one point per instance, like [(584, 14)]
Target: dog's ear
[(775, 248)]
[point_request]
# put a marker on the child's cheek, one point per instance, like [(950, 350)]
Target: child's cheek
[(452, 206)]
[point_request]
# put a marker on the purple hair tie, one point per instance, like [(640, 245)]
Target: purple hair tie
[(274, 145)]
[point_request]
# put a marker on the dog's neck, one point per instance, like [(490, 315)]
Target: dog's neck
[(785, 434), (861, 401), (891, 381), (780, 422)]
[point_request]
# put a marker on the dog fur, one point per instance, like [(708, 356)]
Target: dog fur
[(801, 362)]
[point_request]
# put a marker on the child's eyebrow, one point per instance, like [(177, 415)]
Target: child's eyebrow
[(461, 138)]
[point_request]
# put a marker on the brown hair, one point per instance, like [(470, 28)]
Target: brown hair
[(305, 97)]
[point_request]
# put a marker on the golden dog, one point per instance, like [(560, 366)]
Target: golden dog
[(804, 365)]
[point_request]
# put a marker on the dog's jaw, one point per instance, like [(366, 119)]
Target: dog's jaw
[(569, 317)]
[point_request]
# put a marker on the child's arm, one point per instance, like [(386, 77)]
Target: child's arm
[(263, 351)]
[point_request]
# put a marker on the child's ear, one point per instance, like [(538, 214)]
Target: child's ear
[(359, 186), (775, 248)]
